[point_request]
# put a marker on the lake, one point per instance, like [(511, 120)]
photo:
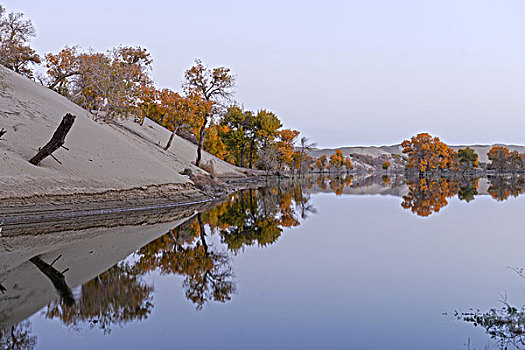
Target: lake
[(354, 262)]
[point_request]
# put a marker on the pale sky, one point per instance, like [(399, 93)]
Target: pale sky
[(367, 72)]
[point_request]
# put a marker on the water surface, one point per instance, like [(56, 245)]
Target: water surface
[(349, 262)]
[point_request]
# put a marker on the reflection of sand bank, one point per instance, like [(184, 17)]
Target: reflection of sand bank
[(85, 249)]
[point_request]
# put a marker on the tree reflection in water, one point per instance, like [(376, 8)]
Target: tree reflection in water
[(427, 196), (506, 324), (254, 217), (503, 187), (247, 218), (117, 296), (18, 337), (184, 251)]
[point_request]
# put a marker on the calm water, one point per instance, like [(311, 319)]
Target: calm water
[(347, 263)]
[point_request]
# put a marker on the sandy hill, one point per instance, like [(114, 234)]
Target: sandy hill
[(101, 157), (376, 151)]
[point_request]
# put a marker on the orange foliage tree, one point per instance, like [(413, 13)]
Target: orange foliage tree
[(499, 157), (322, 163), (337, 159), (348, 164), (426, 154), (111, 82), (285, 146), (15, 35), (214, 85)]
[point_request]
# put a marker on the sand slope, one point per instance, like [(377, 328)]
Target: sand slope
[(100, 157), (181, 153)]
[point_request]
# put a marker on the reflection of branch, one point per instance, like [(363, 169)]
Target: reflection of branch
[(506, 324), (57, 278), (519, 271)]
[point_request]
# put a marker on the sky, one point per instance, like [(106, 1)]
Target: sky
[(344, 73)]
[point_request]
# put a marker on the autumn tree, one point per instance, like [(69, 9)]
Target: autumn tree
[(295, 164), (15, 35), (516, 160), (502, 159), (337, 159), (285, 143), (427, 154), (262, 129), (268, 157), (110, 83), (467, 159), (267, 132), (322, 163), (213, 142), (214, 85), (235, 137), (268, 125), (148, 104), (60, 66), (130, 67), (348, 164), (499, 158), (181, 111), (305, 146)]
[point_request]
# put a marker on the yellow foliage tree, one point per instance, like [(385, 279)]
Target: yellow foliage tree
[(426, 153), (285, 145), (337, 159)]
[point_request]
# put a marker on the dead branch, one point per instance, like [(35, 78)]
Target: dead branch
[(56, 277), (56, 141)]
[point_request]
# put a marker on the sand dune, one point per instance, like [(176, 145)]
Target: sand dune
[(101, 157)]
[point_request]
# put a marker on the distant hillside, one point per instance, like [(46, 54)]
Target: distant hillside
[(376, 151)]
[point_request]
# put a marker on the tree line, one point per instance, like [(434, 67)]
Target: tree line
[(429, 155), (118, 84)]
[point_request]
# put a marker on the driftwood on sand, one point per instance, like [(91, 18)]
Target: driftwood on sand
[(56, 141)]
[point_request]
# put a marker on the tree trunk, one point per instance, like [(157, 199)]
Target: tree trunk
[(56, 141), (242, 156), (252, 146), (301, 164), (252, 207), (201, 143), (202, 234), (171, 138)]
